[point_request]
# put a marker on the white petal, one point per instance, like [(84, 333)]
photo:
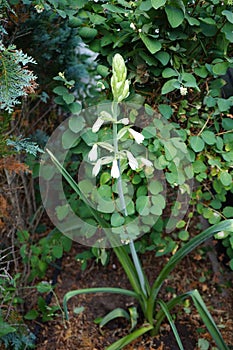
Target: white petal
[(115, 172), (96, 168), (124, 121), (93, 154), (136, 135), (133, 163), (97, 125), (146, 162)]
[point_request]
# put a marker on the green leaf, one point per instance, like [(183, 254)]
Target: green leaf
[(117, 220), (170, 85), (220, 68), (57, 251), (87, 33), (76, 123), (31, 315), (142, 205), (158, 3), (44, 287), (102, 70), (208, 137), (6, 329), (116, 313), (225, 178), (121, 343), (172, 324), (104, 178), (229, 15), (208, 320), (226, 225), (175, 16), (155, 186), (69, 139), (201, 71), (189, 81), (62, 211), (60, 90), (227, 124), (105, 206), (75, 107), (163, 57), (228, 212), (166, 111), (110, 290), (203, 344), (68, 98), (196, 143), (183, 235), (169, 72), (152, 44)]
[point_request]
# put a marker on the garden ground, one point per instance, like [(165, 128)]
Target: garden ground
[(201, 270)]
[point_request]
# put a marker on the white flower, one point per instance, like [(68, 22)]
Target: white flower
[(39, 8), (96, 168), (136, 135), (139, 30), (132, 25), (146, 162), (133, 163), (115, 172), (97, 125), (124, 121), (183, 91), (93, 154)]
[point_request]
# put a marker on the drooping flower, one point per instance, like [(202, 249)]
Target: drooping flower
[(93, 154), (146, 162), (115, 172), (96, 168), (133, 163), (97, 125), (124, 121), (138, 137)]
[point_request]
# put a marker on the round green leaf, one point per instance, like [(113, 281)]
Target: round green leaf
[(31, 315), (155, 187), (208, 137), (158, 3), (225, 178), (170, 85), (117, 220), (228, 212), (57, 251), (142, 205), (183, 235), (87, 32), (76, 123), (196, 143)]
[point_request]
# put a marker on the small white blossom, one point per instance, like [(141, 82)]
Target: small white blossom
[(133, 163), (220, 234), (93, 154), (146, 162), (139, 30), (124, 121), (39, 8), (132, 26), (96, 168), (136, 135), (97, 125), (115, 172), (183, 91)]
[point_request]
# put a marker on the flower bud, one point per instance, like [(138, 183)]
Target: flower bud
[(119, 84)]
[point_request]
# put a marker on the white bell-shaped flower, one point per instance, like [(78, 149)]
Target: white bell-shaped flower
[(146, 162), (133, 163), (138, 137), (115, 171), (96, 168), (93, 154), (97, 125)]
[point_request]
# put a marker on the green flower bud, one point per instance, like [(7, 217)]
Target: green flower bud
[(119, 84)]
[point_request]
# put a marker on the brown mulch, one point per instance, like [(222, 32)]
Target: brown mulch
[(80, 332)]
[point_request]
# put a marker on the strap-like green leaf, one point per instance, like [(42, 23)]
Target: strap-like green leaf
[(169, 317), (226, 225), (73, 293), (119, 344)]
